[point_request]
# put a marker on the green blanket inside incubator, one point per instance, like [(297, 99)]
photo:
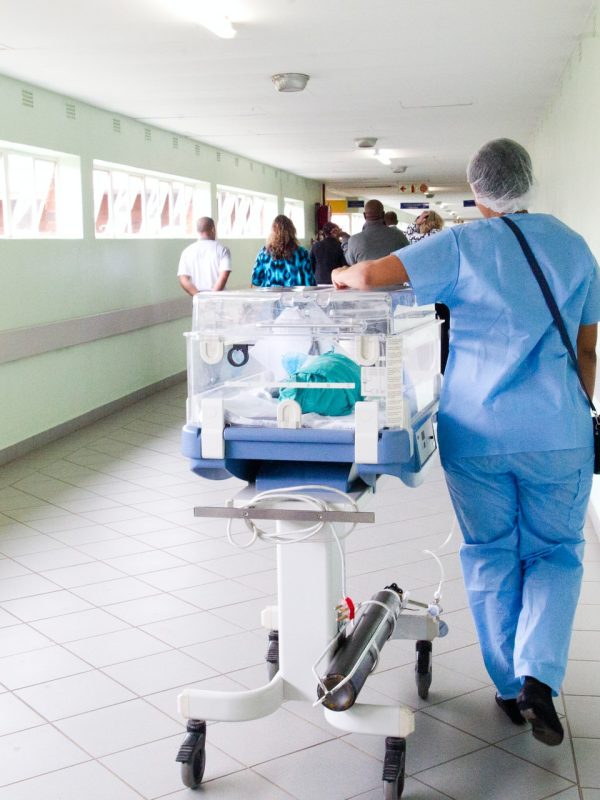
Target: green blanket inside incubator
[(328, 368)]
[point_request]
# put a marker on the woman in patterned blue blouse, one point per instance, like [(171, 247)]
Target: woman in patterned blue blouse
[(283, 262)]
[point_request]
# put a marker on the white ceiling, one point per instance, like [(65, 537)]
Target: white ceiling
[(431, 79)]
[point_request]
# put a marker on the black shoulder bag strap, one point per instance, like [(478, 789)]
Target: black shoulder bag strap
[(551, 303)]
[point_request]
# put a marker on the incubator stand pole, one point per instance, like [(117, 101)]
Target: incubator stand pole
[(309, 588)]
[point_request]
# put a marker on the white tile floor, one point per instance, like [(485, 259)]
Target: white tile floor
[(112, 597)]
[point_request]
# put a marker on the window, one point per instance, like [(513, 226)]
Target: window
[(351, 223), (138, 203), (294, 209), (244, 215), (40, 193)]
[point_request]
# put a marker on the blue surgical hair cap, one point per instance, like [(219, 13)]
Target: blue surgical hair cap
[(501, 176)]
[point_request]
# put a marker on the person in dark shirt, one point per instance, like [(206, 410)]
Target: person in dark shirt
[(327, 254)]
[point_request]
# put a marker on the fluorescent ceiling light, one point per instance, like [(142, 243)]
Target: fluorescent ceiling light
[(383, 159), (220, 26), (203, 13)]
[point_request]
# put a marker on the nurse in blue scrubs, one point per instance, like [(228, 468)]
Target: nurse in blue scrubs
[(514, 430)]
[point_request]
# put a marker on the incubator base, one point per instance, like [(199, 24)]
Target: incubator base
[(304, 623)]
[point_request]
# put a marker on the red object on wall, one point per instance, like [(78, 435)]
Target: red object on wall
[(322, 215)]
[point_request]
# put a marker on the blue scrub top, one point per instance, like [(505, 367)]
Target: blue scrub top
[(509, 385)]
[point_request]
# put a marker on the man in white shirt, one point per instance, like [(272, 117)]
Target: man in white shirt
[(206, 264)]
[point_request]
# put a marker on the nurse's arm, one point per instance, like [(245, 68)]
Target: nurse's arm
[(386, 271), (586, 355)]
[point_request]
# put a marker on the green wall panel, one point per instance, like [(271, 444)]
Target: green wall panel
[(46, 281)]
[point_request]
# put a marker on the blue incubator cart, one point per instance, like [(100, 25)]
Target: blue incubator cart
[(309, 395)]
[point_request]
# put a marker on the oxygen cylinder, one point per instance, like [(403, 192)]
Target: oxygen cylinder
[(354, 649)]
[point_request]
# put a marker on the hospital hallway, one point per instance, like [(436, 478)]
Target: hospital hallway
[(113, 597)]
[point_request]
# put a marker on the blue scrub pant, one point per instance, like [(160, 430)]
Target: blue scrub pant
[(522, 518)]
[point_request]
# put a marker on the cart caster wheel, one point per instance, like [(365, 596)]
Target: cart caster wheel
[(272, 656), (393, 768), (423, 668), (192, 754)]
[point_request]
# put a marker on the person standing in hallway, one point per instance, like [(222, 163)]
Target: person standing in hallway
[(283, 261), (427, 224), (390, 218), (206, 264), (327, 254), (515, 434), (376, 239)]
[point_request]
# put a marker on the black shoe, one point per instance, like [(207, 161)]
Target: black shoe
[(536, 706), (511, 709)]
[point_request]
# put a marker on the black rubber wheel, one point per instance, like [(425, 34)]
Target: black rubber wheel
[(192, 771), (423, 684), (272, 657), (423, 668), (394, 768)]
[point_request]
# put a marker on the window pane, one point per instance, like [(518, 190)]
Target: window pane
[(294, 209), (120, 202), (342, 221), (136, 185), (246, 212), (189, 210), (178, 208), (244, 215), (40, 193), (101, 180), (225, 212), (151, 188), (357, 222), (146, 204), (20, 192), (165, 206), (201, 204), (45, 195)]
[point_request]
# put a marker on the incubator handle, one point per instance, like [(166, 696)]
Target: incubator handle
[(366, 350), (289, 414), (211, 350)]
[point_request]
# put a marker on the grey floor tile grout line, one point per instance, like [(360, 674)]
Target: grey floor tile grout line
[(569, 734)]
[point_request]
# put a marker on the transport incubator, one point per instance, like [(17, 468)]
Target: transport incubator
[(309, 395)]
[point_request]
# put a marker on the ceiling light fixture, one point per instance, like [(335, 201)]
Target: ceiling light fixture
[(290, 81), (365, 142)]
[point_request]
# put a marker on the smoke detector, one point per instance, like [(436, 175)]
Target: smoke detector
[(364, 142), (399, 168), (290, 81)]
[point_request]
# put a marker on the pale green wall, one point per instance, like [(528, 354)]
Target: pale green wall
[(566, 156), (50, 281), (565, 148)]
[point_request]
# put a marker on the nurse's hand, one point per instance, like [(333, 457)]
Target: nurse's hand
[(386, 271), (337, 277)]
